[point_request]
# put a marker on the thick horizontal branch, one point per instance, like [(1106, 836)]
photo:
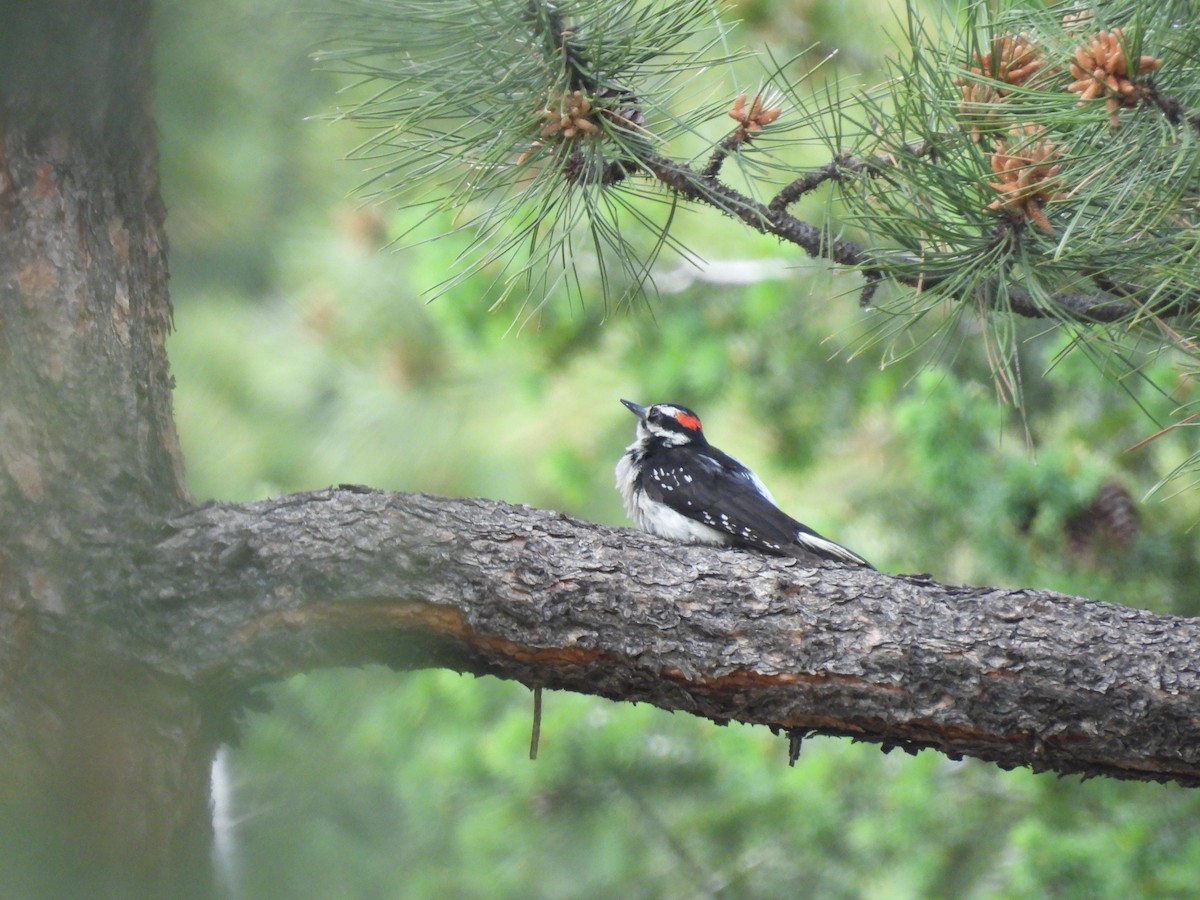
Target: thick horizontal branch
[(235, 595)]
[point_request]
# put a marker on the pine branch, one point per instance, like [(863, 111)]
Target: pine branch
[(1033, 170), (591, 78), (773, 218), (1172, 108), (688, 183)]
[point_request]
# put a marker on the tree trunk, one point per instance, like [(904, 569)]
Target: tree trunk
[(103, 766)]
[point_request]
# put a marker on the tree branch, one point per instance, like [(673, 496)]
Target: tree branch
[(236, 595), (1171, 107), (773, 218)]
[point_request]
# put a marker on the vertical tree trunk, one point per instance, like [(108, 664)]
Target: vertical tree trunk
[(103, 768)]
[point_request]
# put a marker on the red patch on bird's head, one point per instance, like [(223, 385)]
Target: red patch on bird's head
[(690, 422)]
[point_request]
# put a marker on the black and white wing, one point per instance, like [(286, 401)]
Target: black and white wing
[(718, 491)]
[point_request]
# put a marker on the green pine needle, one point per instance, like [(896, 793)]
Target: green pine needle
[(461, 97)]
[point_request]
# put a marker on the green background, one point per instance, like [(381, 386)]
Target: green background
[(308, 353)]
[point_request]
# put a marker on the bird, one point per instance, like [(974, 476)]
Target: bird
[(677, 485)]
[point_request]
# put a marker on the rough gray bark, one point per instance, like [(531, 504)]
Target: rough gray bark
[(103, 765), (235, 595)]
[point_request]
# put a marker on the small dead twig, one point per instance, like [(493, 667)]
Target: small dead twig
[(535, 736)]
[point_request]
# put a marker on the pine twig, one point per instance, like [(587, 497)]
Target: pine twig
[(774, 219), (535, 735), (1171, 107), (730, 143)]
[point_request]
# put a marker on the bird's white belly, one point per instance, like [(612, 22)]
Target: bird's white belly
[(665, 522), (659, 519)]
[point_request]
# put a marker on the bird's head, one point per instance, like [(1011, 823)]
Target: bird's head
[(668, 424)]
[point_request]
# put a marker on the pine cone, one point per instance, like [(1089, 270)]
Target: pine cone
[(1100, 69), (1116, 512), (568, 115), (622, 106), (762, 112), (1028, 174), (1110, 521), (1013, 60), (980, 108), (565, 116)]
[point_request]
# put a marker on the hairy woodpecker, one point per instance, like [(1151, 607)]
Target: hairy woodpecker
[(677, 485)]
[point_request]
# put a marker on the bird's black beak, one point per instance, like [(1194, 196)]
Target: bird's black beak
[(636, 409)]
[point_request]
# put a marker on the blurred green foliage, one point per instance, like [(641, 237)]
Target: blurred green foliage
[(308, 355)]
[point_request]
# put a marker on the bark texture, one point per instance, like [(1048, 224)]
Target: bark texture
[(103, 765), (237, 595)]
